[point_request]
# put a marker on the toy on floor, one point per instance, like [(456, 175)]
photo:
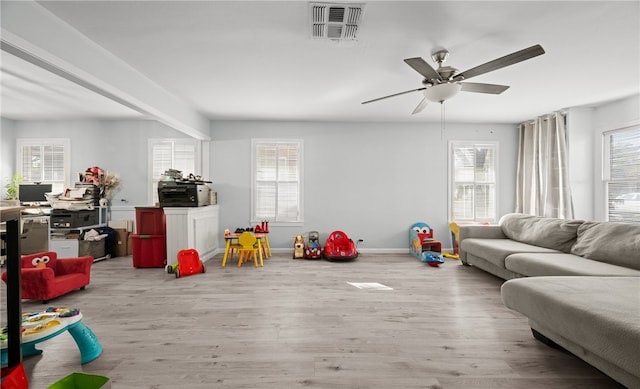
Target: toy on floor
[(339, 246), (298, 247), (189, 263), (423, 246), (313, 250), (455, 239)]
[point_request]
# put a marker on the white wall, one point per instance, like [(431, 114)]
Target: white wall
[(580, 140), (116, 146), (7, 153), (371, 180)]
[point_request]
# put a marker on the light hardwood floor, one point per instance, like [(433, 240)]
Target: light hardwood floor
[(298, 323)]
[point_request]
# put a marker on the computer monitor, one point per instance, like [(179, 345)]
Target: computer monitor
[(33, 193)]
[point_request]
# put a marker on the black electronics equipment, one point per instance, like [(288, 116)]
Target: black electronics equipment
[(33, 193)]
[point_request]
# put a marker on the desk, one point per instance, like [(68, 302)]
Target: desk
[(41, 326), (263, 246)]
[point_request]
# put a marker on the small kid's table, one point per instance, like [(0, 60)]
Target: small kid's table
[(40, 326)]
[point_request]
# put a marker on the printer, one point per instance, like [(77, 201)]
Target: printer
[(183, 194)]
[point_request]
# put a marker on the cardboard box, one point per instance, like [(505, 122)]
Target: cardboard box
[(129, 245), (122, 242), (121, 224)]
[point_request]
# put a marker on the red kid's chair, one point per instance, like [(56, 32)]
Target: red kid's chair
[(45, 276)]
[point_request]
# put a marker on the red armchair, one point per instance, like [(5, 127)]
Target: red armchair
[(45, 276)]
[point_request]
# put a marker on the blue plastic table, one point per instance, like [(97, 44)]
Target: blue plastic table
[(88, 344)]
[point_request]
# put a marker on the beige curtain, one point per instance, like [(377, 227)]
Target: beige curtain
[(543, 180)]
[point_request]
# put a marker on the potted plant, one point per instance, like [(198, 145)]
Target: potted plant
[(13, 186)]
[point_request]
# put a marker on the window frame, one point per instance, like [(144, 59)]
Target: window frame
[(41, 142), (300, 166), (451, 178), (606, 169), (152, 183)]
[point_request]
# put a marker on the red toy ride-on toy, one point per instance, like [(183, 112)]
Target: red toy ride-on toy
[(189, 263), (313, 250), (339, 246)]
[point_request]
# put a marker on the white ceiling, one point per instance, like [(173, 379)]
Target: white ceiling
[(256, 60)]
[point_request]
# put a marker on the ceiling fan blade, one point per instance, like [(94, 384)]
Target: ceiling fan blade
[(502, 62), (393, 95), (483, 88), (419, 65), (420, 106)]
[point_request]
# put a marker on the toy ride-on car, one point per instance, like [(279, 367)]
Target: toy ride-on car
[(189, 263), (313, 250), (423, 246), (339, 246)]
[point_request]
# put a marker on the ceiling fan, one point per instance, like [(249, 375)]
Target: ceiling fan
[(445, 82)]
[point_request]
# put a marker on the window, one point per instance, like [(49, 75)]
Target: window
[(473, 186), (178, 154), (622, 174), (277, 181), (45, 161)]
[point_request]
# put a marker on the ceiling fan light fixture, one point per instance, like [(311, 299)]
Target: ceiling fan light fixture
[(442, 92)]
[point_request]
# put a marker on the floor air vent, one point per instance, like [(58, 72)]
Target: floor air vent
[(335, 21)]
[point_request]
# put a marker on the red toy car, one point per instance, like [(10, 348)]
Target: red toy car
[(339, 246), (313, 250), (188, 263)]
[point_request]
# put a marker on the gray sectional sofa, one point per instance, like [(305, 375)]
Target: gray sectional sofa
[(578, 282)]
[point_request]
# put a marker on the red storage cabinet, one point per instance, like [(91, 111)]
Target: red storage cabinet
[(150, 221), (149, 250)]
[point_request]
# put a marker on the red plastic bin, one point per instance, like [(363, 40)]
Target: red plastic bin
[(150, 221), (149, 250)]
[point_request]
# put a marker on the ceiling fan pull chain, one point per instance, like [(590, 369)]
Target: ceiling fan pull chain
[(442, 119)]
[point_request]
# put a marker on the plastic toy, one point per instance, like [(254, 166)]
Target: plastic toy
[(313, 250), (455, 239), (423, 246), (298, 247), (339, 246), (189, 263)]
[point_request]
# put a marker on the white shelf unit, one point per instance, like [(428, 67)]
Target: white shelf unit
[(67, 248)]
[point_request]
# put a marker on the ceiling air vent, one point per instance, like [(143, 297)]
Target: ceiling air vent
[(335, 21)]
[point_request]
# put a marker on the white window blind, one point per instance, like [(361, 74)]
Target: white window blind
[(473, 181), (178, 154), (622, 174), (277, 177), (45, 161)]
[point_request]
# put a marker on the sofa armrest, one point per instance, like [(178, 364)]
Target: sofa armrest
[(74, 265), (481, 232)]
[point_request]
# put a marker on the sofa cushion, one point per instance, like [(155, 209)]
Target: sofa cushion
[(496, 250), (599, 314), (557, 234), (615, 243), (562, 264)]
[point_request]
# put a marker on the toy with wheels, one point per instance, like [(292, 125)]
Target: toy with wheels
[(339, 246), (313, 250), (189, 263), (423, 246)]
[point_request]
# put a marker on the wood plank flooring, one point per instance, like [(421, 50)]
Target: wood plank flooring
[(298, 323)]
